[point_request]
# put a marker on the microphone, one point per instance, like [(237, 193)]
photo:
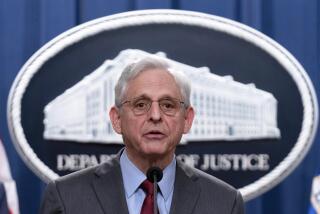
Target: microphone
[(154, 175)]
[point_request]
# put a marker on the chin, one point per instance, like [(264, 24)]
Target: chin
[(158, 148), (156, 152)]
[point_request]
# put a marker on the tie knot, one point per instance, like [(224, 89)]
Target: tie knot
[(147, 187)]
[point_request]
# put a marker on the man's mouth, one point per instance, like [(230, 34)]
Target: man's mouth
[(156, 135)]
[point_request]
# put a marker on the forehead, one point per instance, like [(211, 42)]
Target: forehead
[(153, 83)]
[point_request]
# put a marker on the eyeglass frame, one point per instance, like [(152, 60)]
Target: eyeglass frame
[(150, 101)]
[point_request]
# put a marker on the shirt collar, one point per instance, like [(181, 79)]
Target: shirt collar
[(167, 181), (133, 177)]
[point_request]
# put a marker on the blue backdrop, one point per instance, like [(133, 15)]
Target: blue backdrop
[(25, 25)]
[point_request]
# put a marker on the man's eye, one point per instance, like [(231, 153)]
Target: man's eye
[(167, 104), (140, 104)]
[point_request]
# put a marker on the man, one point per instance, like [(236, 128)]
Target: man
[(152, 110)]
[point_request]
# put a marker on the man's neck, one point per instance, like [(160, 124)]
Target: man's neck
[(145, 162)]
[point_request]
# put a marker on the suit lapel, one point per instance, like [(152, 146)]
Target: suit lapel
[(108, 186), (186, 190)]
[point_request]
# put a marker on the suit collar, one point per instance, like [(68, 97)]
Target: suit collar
[(186, 190), (108, 186)]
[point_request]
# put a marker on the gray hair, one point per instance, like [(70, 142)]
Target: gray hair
[(132, 70)]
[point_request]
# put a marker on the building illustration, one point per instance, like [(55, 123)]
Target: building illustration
[(226, 110)]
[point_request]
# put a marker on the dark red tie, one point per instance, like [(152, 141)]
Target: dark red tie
[(147, 206)]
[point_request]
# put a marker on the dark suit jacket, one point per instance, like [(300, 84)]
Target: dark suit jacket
[(100, 190)]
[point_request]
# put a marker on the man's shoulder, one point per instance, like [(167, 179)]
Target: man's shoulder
[(210, 192), (206, 181), (86, 175), (77, 192)]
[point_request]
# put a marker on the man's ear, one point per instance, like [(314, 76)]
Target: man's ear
[(189, 115), (114, 115)]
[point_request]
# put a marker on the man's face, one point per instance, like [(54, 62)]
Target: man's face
[(152, 134)]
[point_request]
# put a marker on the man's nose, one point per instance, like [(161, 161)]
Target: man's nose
[(155, 111)]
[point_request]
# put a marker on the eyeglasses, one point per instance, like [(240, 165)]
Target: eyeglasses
[(141, 105)]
